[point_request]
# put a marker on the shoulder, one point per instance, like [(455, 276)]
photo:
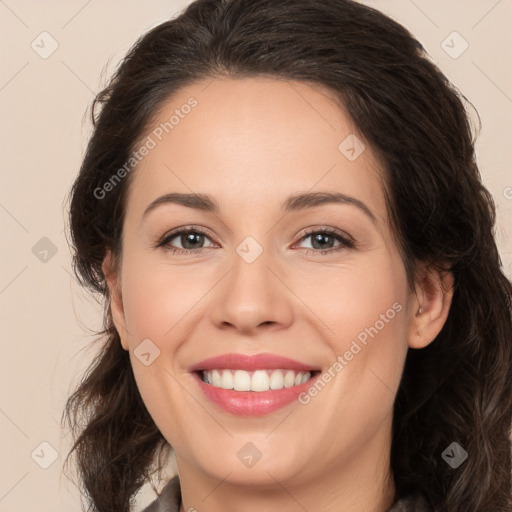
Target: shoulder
[(411, 503), (168, 500)]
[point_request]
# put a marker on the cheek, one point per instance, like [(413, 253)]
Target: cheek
[(364, 308), (354, 301), (157, 298), (161, 304)]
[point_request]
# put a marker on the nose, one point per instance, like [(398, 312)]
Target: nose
[(253, 297)]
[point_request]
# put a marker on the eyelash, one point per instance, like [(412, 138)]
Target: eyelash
[(346, 242)]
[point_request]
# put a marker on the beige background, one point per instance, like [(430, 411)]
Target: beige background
[(46, 320)]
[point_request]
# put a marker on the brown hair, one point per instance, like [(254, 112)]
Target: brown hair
[(457, 389)]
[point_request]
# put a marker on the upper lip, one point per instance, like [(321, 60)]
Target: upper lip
[(235, 361)]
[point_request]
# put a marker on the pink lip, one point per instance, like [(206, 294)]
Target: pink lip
[(256, 362), (251, 403)]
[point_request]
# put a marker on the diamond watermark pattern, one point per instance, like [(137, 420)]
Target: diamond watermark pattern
[(454, 45), (351, 147), (44, 250), (146, 352), (454, 455), (44, 45), (44, 455), (249, 454), (249, 250)]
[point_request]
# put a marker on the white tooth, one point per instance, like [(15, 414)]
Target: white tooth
[(306, 377), (242, 381), (216, 378), (289, 379), (259, 381), (227, 379), (276, 380)]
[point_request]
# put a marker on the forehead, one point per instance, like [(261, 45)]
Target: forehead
[(250, 143)]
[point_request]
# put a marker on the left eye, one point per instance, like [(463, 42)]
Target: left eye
[(323, 239)]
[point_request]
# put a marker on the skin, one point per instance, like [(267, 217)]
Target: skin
[(250, 143)]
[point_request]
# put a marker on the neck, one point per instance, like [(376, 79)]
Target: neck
[(361, 482)]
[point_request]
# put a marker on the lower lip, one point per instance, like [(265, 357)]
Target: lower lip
[(252, 403)]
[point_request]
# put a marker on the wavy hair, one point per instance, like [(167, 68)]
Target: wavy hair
[(458, 388)]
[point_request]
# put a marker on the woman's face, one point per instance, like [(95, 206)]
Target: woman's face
[(260, 277)]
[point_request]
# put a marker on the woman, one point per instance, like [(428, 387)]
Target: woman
[(340, 336)]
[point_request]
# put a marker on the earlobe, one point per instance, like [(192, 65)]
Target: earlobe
[(116, 300), (434, 293)]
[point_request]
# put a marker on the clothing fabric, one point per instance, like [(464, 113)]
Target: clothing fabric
[(169, 500)]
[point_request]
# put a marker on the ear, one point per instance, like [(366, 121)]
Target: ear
[(116, 300), (434, 293)]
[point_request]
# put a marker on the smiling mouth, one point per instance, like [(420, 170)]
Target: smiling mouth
[(256, 380)]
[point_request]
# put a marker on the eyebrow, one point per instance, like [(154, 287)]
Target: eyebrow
[(292, 203)]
